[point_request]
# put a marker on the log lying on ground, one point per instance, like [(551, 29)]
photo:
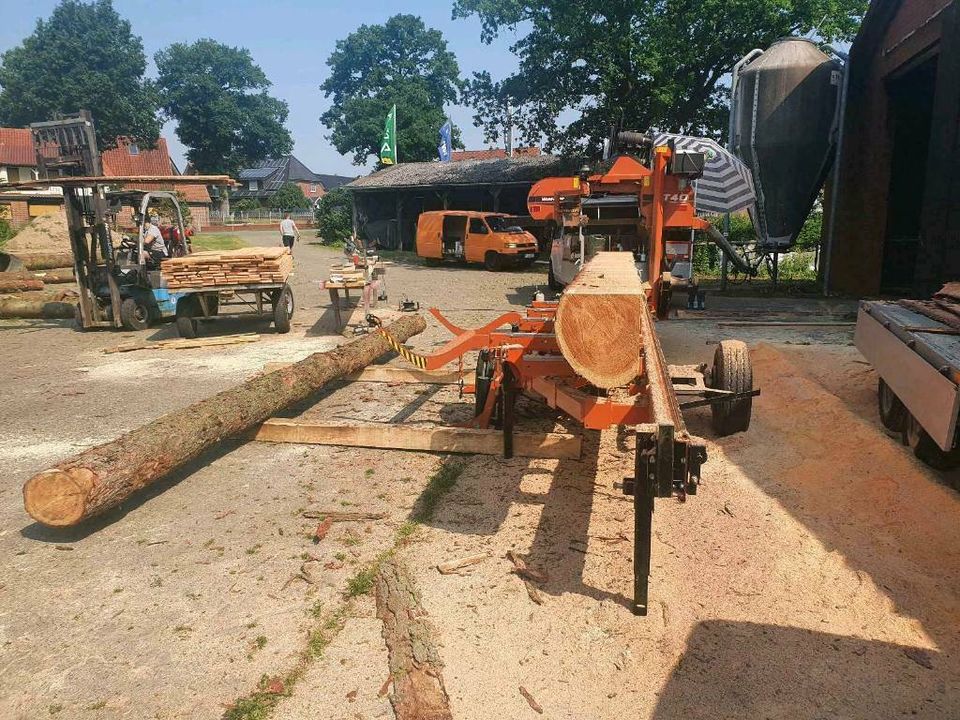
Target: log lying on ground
[(104, 476), (598, 320), (19, 284), (415, 665), (18, 307), (45, 277), (44, 260)]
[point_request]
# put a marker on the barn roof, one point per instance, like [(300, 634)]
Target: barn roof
[(498, 171), (16, 147), (128, 159)]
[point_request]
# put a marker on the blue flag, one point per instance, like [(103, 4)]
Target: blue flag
[(445, 148)]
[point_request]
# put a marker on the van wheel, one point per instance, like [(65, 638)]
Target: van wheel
[(134, 314), (491, 261), (926, 449)]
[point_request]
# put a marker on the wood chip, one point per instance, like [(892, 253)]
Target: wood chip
[(533, 593), (534, 705), (322, 529), (451, 566), (520, 568)]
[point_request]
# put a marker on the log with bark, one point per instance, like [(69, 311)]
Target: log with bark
[(104, 476), (598, 320), (44, 260), (25, 307), (47, 277), (415, 665), (19, 284)]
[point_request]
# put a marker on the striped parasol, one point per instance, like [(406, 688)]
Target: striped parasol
[(726, 184)]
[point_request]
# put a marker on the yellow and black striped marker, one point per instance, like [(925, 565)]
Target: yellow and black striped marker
[(411, 357)]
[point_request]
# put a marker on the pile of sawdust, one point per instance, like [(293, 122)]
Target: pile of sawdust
[(47, 233)]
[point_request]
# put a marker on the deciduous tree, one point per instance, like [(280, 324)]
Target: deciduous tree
[(84, 56), (334, 216), (218, 96), (401, 63), (289, 196), (642, 63)]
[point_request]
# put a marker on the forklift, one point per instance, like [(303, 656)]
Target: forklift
[(118, 286)]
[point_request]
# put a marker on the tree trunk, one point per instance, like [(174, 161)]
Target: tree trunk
[(103, 477), (44, 260), (48, 277), (598, 320), (8, 285), (415, 665), (20, 307)]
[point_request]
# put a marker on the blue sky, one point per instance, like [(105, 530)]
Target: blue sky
[(290, 40)]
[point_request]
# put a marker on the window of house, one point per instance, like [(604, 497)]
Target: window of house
[(252, 185), (133, 149), (313, 189), (3, 175), (477, 226), (27, 174)]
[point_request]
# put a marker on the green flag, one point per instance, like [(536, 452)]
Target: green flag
[(388, 144)]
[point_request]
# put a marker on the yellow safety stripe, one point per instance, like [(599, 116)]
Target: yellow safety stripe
[(411, 357)]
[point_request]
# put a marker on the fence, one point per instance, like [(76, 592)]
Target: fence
[(258, 216)]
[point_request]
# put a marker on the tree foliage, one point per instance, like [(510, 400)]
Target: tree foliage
[(83, 57), (636, 64), (335, 216), (218, 96), (401, 62), (289, 196)]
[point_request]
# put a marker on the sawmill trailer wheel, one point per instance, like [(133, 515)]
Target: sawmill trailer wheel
[(273, 300), (732, 372)]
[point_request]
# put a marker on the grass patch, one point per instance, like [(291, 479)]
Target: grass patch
[(261, 641), (441, 482), (216, 241), (362, 582)]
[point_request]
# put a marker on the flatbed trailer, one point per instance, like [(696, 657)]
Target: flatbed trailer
[(918, 361), (190, 305)]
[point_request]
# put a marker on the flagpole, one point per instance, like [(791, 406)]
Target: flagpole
[(396, 149)]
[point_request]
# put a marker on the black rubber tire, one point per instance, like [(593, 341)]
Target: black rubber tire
[(492, 261), (925, 449), (552, 281), (481, 382), (187, 324), (134, 314), (893, 413), (283, 307), (732, 371)]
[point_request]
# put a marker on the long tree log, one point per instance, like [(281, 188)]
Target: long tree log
[(19, 284), (36, 260), (598, 320), (19, 307), (104, 476), (48, 277)]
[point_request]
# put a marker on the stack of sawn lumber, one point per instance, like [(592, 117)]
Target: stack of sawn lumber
[(213, 268), (944, 307)]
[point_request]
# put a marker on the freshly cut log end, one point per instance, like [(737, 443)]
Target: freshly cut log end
[(58, 497), (598, 322)]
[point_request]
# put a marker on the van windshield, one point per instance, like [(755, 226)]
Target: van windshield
[(502, 224)]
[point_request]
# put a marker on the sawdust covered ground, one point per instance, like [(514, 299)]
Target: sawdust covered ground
[(47, 233), (815, 574)]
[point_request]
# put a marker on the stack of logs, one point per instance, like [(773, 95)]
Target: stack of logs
[(25, 294), (246, 266)]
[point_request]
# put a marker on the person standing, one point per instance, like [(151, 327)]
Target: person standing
[(289, 232)]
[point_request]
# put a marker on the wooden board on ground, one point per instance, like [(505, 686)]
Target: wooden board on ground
[(598, 320), (185, 343), (410, 437), (386, 374)]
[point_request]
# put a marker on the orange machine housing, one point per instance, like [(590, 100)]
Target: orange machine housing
[(665, 203)]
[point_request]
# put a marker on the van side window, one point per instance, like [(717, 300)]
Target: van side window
[(477, 227)]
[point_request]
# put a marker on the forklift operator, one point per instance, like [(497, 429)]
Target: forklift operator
[(154, 247)]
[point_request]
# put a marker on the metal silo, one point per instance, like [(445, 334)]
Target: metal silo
[(785, 121)]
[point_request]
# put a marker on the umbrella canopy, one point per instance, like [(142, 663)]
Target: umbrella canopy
[(726, 184)]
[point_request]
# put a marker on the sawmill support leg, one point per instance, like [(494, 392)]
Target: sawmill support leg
[(509, 406), (644, 488)]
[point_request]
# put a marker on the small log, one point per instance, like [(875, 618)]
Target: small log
[(451, 566), (15, 307), (342, 515), (415, 665), (104, 476), (534, 705), (47, 277), (598, 320), (19, 284)]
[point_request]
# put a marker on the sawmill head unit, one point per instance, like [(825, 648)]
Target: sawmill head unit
[(549, 354)]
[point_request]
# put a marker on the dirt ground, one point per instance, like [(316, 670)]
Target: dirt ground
[(815, 575)]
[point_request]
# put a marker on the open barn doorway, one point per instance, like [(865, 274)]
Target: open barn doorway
[(911, 111)]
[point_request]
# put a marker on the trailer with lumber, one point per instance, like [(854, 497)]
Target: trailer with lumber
[(594, 353), (915, 348)]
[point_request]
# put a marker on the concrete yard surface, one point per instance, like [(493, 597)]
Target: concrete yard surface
[(816, 573)]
